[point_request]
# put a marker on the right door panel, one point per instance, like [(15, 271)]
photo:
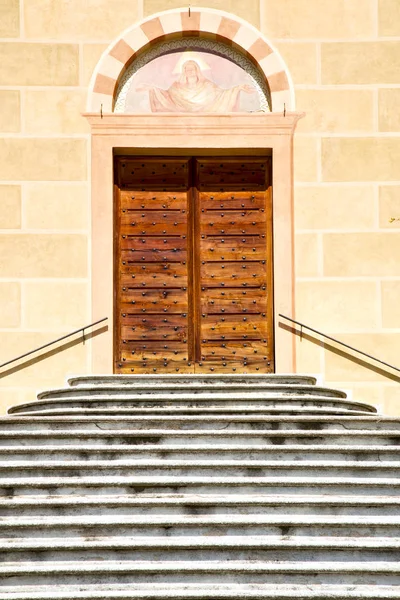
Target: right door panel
[(233, 266)]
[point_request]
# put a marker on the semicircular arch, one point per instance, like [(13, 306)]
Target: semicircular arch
[(178, 23)]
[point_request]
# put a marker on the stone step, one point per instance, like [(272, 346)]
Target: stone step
[(129, 486), (205, 400), (197, 424), (299, 452), (171, 411), (376, 572), (77, 437), (185, 391), (111, 552), (193, 380), (179, 505), (171, 547), (200, 591), (197, 526), (199, 468)]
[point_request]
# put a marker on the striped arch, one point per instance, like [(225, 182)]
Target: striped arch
[(214, 24)]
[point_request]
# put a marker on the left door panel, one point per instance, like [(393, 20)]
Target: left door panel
[(152, 266)]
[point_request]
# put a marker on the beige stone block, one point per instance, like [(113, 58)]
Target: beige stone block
[(389, 18), (111, 65), (55, 305), (305, 158), (43, 255), (10, 206), (344, 365), (26, 394), (389, 206), (209, 22), (245, 38), (55, 111), (360, 159), (247, 10), (301, 60), (39, 64), (10, 121), (389, 117), (56, 206), (391, 400), (308, 355), (316, 19), (43, 159), (10, 396), (369, 394), (46, 369), (90, 57), (334, 207), (390, 291), (361, 254), (306, 255), (10, 304), (346, 63), (9, 18), (336, 306), (335, 110), (77, 20)]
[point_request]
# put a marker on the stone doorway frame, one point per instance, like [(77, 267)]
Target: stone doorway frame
[(208, 134)]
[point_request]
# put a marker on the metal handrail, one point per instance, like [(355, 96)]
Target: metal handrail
[(332, 339), (64, 337)]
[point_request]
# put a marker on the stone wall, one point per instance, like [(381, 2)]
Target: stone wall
[(345, 61), (344, 58)]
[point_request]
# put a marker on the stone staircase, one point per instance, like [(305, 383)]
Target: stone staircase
[(198, 487)]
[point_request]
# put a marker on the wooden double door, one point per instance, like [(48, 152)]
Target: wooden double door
[(193, 265)]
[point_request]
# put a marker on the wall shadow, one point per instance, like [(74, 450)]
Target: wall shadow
[(327, 345), (29, 361)]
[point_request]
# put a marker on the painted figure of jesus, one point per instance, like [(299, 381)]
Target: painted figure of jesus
[(193, 92)]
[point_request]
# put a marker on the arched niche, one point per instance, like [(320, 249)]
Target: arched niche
[(192, 74)]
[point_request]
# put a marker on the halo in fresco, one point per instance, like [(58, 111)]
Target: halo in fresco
[(192, 76)]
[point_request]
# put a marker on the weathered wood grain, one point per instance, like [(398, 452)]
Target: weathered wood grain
[(232, 222), (153, 300), (233, 200), (217, 274), (149, 200)]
